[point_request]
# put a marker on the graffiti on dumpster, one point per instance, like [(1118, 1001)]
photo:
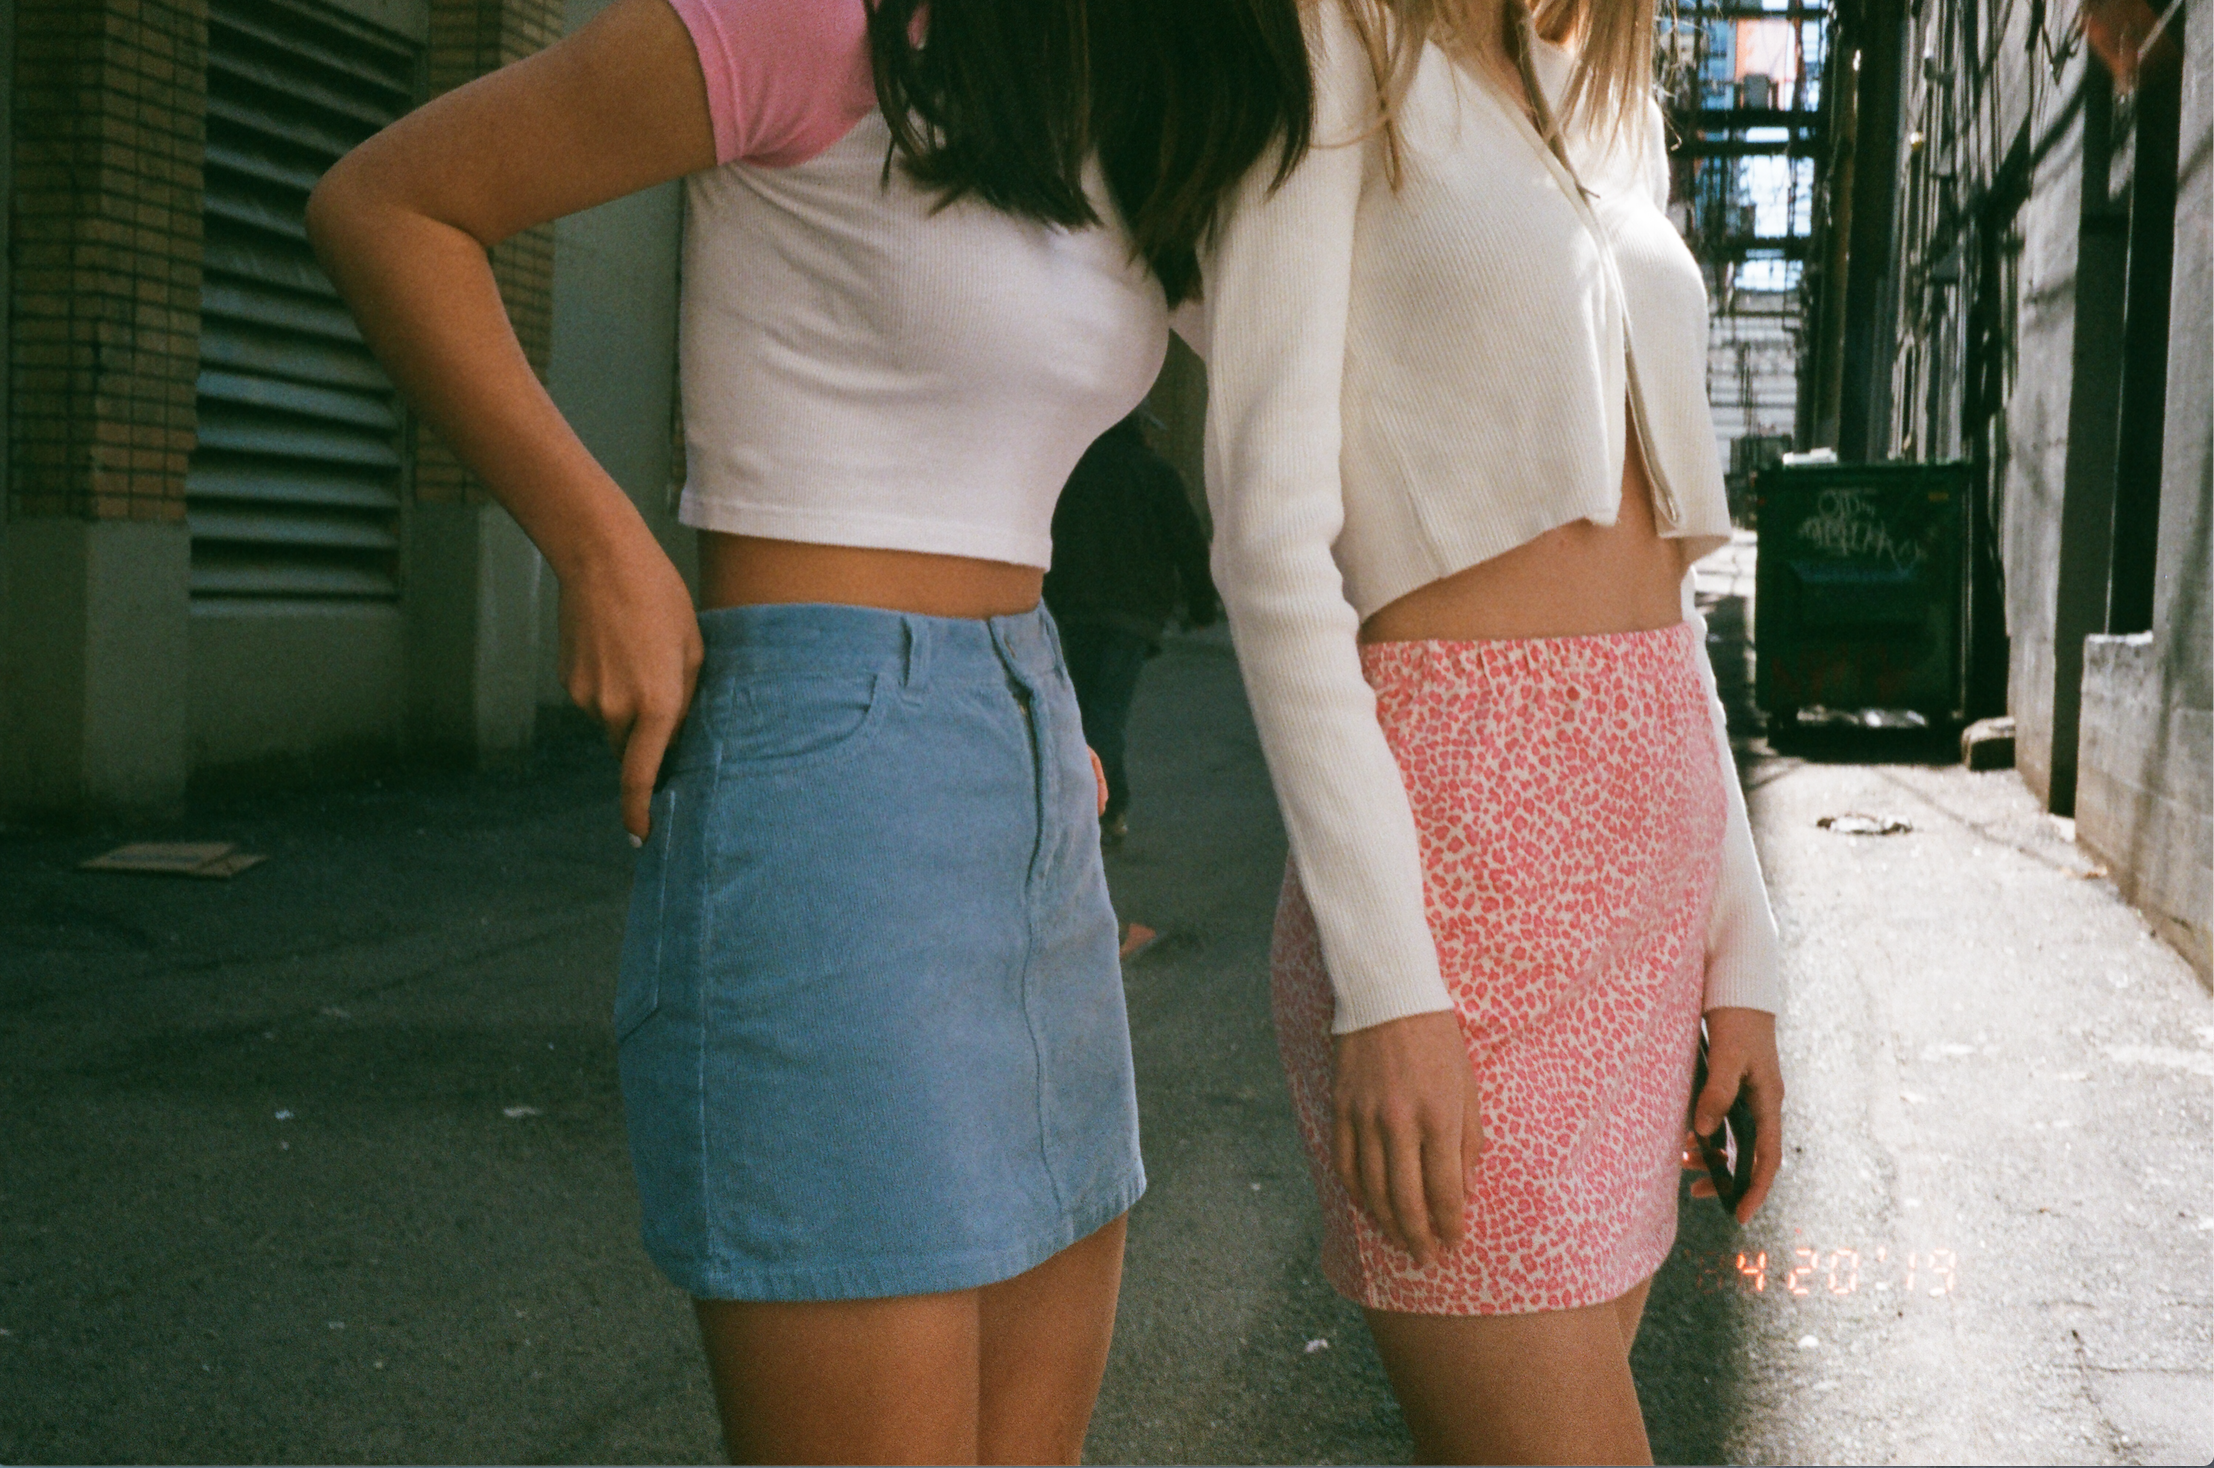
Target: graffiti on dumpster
[(1846, 523)]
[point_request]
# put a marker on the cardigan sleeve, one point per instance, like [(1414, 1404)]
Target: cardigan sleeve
[(1744, 957), (1278, 282)]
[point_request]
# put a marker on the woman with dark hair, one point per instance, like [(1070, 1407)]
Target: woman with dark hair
[(875, 1063), (1460, 460)]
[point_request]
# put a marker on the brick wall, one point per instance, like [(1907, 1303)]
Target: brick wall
[(469, 38), (109, 128)]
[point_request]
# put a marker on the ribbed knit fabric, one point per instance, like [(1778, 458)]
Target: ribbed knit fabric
[(864, 364), (1404, 384), (785, 78), (1744, 958)]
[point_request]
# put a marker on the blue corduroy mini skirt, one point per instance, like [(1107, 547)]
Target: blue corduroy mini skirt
[(870, 1013)]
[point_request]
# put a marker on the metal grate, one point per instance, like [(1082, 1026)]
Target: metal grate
[(294, 490)]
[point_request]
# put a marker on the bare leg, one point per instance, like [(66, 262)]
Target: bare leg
[(845, 1381), (1630, 1309), (1045, 1337), (1009, 1371), (1550, 1387)]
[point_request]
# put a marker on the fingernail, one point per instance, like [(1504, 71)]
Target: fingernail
[(637, 841)]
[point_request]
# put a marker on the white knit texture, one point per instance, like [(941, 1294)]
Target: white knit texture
[(865, 365), (1404, 384), (1744, 956)]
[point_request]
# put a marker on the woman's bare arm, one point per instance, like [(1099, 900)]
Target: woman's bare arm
[(403, 225)]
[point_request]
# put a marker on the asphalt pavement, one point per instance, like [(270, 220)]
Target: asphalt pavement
[(1993, 1237), (325, 1163)]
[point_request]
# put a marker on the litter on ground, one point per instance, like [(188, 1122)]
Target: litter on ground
[(211, 860), (1855, 824)]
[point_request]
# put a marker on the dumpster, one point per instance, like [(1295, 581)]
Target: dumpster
[(1858, 598)]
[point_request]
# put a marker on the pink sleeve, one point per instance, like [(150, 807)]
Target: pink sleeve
[(785, 78)]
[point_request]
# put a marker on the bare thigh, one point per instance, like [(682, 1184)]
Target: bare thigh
[(1630, 1310), (1548, 1387), (1006, 1373), (1044, 1350)]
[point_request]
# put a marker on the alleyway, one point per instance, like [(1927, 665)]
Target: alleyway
[(325, 1163), (1996, 1073)]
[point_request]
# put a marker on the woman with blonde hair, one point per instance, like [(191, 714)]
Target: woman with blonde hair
[(1460, 460)]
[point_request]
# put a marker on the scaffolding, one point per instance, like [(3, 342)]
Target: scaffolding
[(1742, 87)]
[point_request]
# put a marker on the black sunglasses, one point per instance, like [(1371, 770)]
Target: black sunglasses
[(1728, 1149)]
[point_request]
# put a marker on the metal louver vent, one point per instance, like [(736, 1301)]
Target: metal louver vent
[(294, 491)]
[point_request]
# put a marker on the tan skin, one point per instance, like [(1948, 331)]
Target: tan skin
[(1006, 1373), (1489, 1389)]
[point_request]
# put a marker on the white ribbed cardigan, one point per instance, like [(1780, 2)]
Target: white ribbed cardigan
[(1403, 384)]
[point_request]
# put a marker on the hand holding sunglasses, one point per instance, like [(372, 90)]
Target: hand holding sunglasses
[(1738, 1154)]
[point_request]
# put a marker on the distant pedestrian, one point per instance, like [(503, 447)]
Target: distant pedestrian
[(1128, 557)]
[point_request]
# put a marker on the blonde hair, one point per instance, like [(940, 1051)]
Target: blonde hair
[(1607, 88)]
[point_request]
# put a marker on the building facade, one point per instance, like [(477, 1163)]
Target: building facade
[(2013, 270), (228, 549)]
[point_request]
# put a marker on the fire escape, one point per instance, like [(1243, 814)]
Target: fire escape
[(1742, 85)]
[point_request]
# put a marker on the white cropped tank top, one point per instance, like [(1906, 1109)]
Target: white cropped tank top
[(860, 366)]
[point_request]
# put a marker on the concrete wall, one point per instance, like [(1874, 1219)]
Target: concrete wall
[(295, 691), (93, 667), (471, 622), (2015, 229), (2146, 761), (2143, 797), (2034, 496)]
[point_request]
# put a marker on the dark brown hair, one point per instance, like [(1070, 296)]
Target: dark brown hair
[(1007, 100)]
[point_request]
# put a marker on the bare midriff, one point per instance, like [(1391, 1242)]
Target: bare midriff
[(745, 570), (1576, 580)]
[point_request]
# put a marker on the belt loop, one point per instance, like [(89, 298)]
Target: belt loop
[(917, 671), (1050, 631)]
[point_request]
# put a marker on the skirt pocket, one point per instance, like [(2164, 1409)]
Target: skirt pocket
[(781, 722), (645, 934)]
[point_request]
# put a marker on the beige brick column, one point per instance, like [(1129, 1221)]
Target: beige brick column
[(108, 128), (110, 113)]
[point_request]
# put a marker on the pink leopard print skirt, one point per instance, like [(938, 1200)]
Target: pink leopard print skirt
[(1569, 798)]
